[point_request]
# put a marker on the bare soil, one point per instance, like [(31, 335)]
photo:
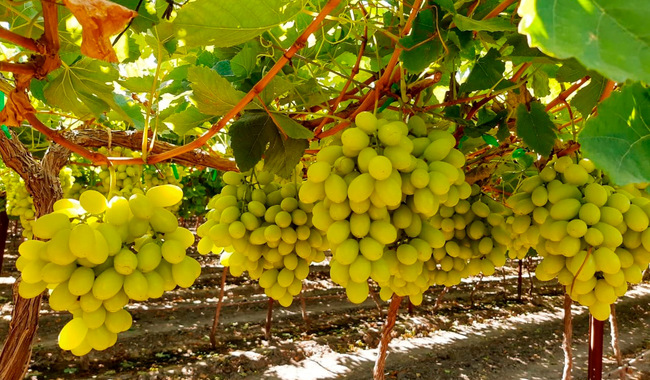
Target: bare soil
[(496, 337)]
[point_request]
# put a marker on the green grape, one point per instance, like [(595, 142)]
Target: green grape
[(354, 139), (118, 211), (125, 262), (100, 338), (55, 274), (155, 285), (174, 251), (81, 281), (366, 121), (165, 195), (73, 334), (27, 290), (380, 167), (118, 321), (82, 240), (47, 225), (360, 269), (93, 201), (186, 272), (136, 286), (141, 206), (149, 257), (94, 319), (106, 285), (357, 292), (319, 171), (89, 303), (163, 220), (116, 302)]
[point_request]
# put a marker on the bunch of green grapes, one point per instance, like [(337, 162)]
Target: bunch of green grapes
[(476, 239), (96, 255), (374, 191), (129, 179), (259, 226), (593, 237), (18, 201)]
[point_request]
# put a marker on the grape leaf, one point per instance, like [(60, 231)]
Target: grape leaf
[(85, 88), (610, 37), (617, 140), (186, 120), (256, 134), (421, 48), (496, 24), (536, 128), (586, 99), (486, 73), (213, 94), (292, 128), (138, 84), (226, 23)]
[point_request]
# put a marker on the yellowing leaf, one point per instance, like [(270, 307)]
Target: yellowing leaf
[(99, 19)]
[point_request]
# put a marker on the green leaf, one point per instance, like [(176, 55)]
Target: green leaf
[(536, 128), (571, 71), (447, 5), (243, 64), (496, 24), (586, 99), (617, 140), (610, 37), (186, 120), (540, 84), (128, 108), (485, 74), (85, 88), (226, 23), (421, 48), (138, 84), (213, 94), (283, 155), (491, 140), (255, 134), (292, 128)]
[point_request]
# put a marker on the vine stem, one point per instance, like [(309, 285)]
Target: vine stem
[(269, 320), (215, 322), (613, 323), (566, 342), (565, 94), (353, 73), (380, 364), (383, 82), (17, 39), (255, 91)]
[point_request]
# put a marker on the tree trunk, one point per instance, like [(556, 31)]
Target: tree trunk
[(4, 232), (42, 182)]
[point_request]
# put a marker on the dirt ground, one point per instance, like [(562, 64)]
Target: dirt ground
[(496, 338)]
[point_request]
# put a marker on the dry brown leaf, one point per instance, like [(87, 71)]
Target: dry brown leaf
[(17, 105), (99, 19)]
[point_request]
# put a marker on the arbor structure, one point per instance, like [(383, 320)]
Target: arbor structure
[(515, 83)]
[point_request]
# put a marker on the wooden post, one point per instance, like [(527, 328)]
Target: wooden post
[(215, 322), (269, 318), (519, 281), (378, 371), (568, 335), (595, 369)]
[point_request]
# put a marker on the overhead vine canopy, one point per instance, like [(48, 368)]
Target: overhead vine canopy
[(268, 78)]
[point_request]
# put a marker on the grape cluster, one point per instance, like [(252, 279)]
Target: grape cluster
[(129, 179), (18, 201), (593, 237), (374, 190), (259, 226), (476, 239), (97, 255)]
